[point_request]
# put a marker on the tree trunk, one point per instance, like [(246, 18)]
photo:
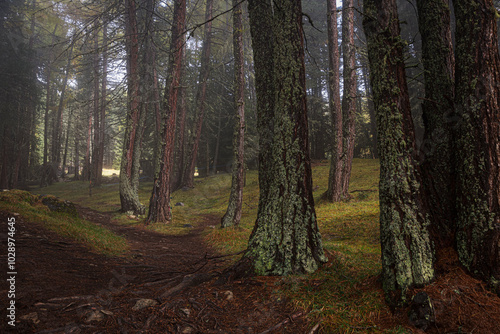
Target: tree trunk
[(233, 213), (334, 192), (285, 239), (260, 13), (130, 164), (180, 132), (437, 108), (407, 256), (65, 154), (58, 119), (477, 98), (159, 204), (200, 95), (217, 145), (96, 144), (349, 97)]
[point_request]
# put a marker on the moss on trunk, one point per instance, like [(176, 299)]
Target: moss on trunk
[(438, 114), (477, 138), (407, 256), (286, 239)]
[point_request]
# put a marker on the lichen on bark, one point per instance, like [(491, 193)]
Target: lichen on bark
[(285, 239), (407, 254), (477, 139)]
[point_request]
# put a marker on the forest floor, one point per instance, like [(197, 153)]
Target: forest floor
[(88, 274), (63, 287)]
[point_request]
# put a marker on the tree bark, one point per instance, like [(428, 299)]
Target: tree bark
[(234, 209), (58, 119), (477, 98), (437, 108), (96, 108), (285, 239), (159, 204), (334, 192), (350, 90), (407, 255), (200, 95), (130, 164)]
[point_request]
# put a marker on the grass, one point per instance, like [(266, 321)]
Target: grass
[(344, 294), (96, 237)]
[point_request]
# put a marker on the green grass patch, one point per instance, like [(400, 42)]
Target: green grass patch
[(31, 208)]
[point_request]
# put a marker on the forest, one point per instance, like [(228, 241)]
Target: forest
[(250, 166)]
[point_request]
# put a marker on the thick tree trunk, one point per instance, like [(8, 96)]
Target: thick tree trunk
[(159, 204), (407, 255), (437, 107), (349, 97), (285, 239), (477, 104), (200, 95), (233, 213), (260, 13), (334, 192), (130, 164)]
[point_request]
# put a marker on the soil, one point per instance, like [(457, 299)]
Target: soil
[(63, 287)]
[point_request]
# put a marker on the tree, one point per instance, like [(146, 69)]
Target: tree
[(334, 192), (200, 96), (159, 203), (437, 108), (477, 143), (350, 91), (233, 213), (407, 256), (129, 169), (285, 239)]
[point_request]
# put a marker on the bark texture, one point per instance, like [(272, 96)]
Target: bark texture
[(285, 239), (334, 192), (130, 164), (438, 114), (407, 255), (159, 203), (350, 91), (234, 209), (478, 138)]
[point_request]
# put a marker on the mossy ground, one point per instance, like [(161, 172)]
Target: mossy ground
[(31, 208), (344, 294)]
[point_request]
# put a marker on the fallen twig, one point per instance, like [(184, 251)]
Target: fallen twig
[(284, 322)]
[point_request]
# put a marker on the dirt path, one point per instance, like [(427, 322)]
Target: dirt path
[(63, 287)]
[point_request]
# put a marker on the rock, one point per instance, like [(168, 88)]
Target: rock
[(95, 316), (421, 311), (187, 225), (57, 205), (187, 330), (143, 303), (186, 311), (31, 317), (229, 295), (132, 216), (179, 204)]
